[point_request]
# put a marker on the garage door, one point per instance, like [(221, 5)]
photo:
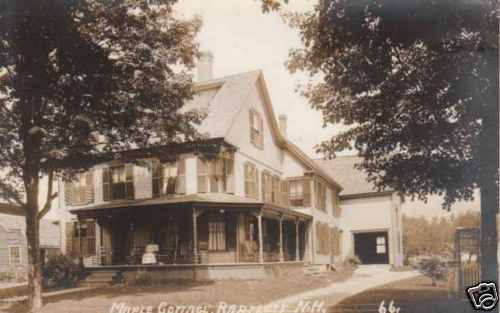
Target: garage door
[(372, 247)]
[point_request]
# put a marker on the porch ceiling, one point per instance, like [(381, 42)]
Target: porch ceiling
[(200, 200)]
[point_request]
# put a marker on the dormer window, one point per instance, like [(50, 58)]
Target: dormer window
[(256, 129)]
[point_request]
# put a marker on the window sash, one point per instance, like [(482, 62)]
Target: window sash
[(118, 183), (217, 233), (15, 255)]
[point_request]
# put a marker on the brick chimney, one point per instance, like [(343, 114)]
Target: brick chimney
[(205, 66)]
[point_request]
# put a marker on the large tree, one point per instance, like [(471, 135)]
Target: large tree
[(416, 82), (81, 81)]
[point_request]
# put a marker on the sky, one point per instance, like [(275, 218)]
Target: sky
[(242, 39)]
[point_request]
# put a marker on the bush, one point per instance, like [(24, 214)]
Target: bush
[(434, 268), (61, 271), (353, 261)]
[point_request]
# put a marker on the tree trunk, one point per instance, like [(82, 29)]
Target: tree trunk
[(33, 237), (488, 162)]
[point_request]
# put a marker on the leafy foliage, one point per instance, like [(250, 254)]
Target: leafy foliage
[(424, 236), (84, 80), (434, 268), (415, 82), (61, 271)]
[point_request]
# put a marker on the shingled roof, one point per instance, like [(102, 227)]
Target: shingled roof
[(12, 218), (222, 99), (353, 181)]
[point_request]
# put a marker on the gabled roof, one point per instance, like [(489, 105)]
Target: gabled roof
[(223, 98), (12, 219), (353, 180)]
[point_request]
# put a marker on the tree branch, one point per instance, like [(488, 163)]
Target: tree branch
[(50, 196)]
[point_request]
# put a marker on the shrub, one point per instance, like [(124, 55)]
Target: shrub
[(61, 271), (143, 278), (353, 261), (434, 268)]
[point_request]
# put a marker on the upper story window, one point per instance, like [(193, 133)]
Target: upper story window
[(335, 204), (273, 189), (216, 175), (256, 129), (320, 195), (118, 182), (14, 255), (300, 192), (267, 187), (80, 191), (251, 181), (169, 178)]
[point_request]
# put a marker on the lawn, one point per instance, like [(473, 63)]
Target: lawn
[(184, 293), (415, 295)]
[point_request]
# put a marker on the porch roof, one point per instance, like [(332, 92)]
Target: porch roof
[(229, 201)]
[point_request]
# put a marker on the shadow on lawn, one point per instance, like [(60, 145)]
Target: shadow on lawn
[(415, 295), (113, 292)]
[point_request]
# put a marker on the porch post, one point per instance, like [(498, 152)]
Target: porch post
[(297, 254), (195, 236), (261, 240), (282, 258)]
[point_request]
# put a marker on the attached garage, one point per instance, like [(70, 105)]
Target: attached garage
[(372, 247)]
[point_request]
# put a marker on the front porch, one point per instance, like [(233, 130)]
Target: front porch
[(207, 237)]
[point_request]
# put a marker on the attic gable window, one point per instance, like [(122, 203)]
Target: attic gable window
[(169, 178), (256, 129)]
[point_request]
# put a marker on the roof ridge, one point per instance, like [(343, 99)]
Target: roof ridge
[(214, 80)]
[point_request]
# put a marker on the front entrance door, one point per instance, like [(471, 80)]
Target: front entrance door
[(372, 247)]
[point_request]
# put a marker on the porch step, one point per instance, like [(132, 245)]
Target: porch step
[(99, 278), (315, 270)]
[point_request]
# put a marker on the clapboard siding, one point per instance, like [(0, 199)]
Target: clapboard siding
[(11, 238)]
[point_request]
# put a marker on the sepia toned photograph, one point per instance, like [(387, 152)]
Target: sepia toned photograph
[(249, 156)]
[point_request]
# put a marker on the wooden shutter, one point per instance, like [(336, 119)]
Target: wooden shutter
[(261, 132), (256, 183), (229, 168), (91, 248), (318, 237), (307, 191), (70, 236), (284, 195), (251, 120), (202, 175), (181, 176), (68, 193), (89, 187), (106, 184), (129, 181)]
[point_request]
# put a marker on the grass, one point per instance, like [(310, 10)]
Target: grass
[(415, 295), (185, 293)]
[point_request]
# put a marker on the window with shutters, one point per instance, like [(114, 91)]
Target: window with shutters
[(169, 178), (216, 175), (217, 232), (80, 191), (118, 182), (275, 189), (267, 186), (322, 238), (320, 195), (15, 255), (251, 181), (335, 204), (84, 238), (284, 197), (256, 129), (300, 192)]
